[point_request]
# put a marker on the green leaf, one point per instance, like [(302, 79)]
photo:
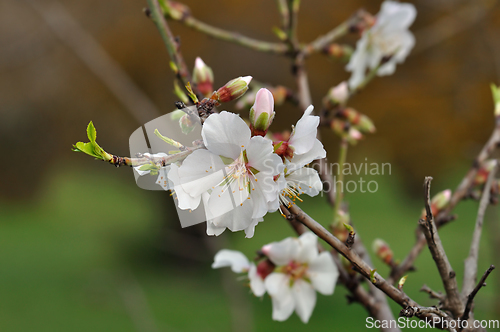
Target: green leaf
[(86, 148), (191, 94), (91, 132)]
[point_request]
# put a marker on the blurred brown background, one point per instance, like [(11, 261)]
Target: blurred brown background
[(70, 226)]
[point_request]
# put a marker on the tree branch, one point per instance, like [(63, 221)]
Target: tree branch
[(428, 226), (470, 298), (470, 264), (359, 265)]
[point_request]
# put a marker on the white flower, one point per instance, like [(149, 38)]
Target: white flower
[(291, 274), (239, 264), (300, 272), (296, 178), (388, 37), (234, 177)]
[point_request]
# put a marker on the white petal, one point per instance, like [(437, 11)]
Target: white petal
[(226, 198), (323, 273), (184, 200), (214, 230), (300, 160), (283, 252), (261, 157), (308, 250), (396, 15), (256, 282), (235, 259), (305, 299), (200, 171), (305, 180), (277, 285), (236, 220), (304, 133), (225, 134), (163, 179), (250, 230), (358, 62)]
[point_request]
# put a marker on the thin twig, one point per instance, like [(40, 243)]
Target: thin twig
[(470, 298), (172, 44), (470, 264), (433, 294), (234, 37), (448, 276)]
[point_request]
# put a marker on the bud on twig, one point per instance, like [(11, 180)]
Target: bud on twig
[(174, 10), (383, 251), (439, 202), (402, 282), (340, 52), (232, 90), (262, 112), (483, 172), (337, 95), (203, 76)]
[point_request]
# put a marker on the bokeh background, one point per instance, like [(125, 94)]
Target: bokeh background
[(83, 249)]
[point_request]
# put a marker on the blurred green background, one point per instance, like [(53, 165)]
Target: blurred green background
[(83, 249)]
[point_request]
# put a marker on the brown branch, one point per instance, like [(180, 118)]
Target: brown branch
[(428, 226), (470, 297), (433, 294), (470, 264), (234, 37), (445, 216), (359, 265), (415, 311), (172, 44)]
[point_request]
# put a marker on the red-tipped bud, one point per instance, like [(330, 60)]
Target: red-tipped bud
[(203, 76), (340, 52), (233, 89), (262, 112), (483, 172), (383, 251), (439, 202), (265, 268)]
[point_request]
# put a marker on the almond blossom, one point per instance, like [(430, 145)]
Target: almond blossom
[(301, 149), (233, 178), (389, 38), (291, 273)]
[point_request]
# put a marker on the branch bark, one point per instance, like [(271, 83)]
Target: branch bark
[(470, 264), (448, 276)]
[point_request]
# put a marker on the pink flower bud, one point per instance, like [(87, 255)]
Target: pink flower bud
[(262, 112), (233, 89), (441, 200), (339, 94), (203, 77)]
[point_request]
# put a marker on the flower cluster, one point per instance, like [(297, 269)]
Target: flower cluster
[(291, 272), (241, 175), (385, 44)]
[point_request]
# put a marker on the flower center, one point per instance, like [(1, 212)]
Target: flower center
[(295, 270)]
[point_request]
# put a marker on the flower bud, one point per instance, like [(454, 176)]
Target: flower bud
[(483, 172), (203, 76), (337, 95), (439, 202), (495, 91), (175, 10), (340, 52), (262, 112), (233, 89), (265, 268), (383, 251)]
